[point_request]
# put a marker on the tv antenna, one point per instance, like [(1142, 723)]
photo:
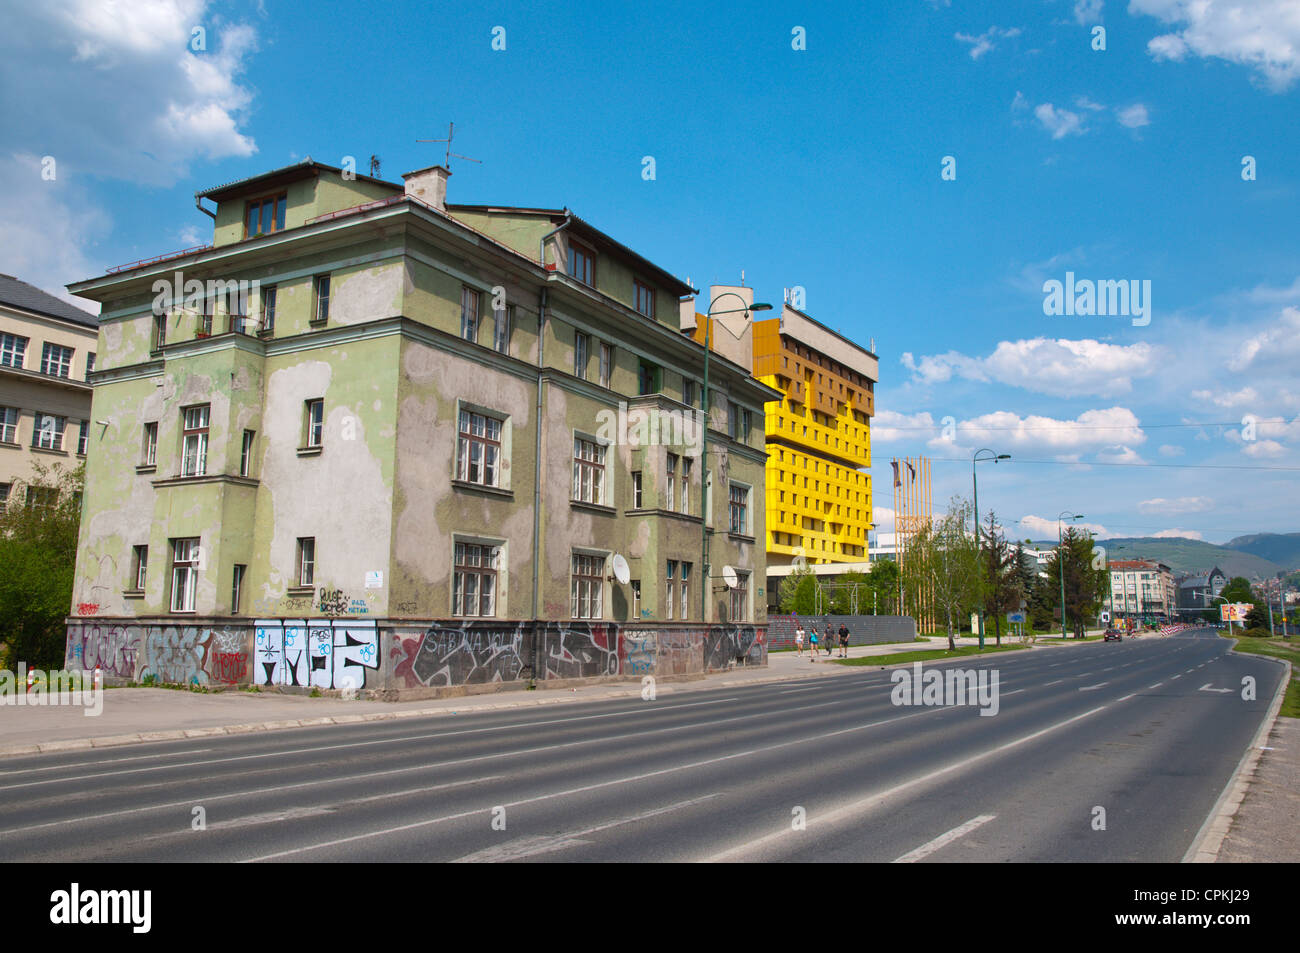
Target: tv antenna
[(451, 131), (374, 167)]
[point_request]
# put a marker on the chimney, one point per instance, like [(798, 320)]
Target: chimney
[(429, 185)]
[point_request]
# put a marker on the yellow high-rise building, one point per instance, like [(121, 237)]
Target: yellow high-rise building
[(818, 439)]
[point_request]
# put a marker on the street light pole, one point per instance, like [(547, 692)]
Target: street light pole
[(1060, 560), (978, 553), (706, 499)]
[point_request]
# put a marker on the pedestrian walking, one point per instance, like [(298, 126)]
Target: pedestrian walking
[(812, 644), (798, 640), (844, 640)]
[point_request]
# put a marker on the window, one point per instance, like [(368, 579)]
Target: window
[(645, 299), (205, 320), (745, 421), (474, 584), (42, 497), (321, 309), (5, 490), (733, 420), (505, 321), (686, 588), (139, 566), (740, 598), (581, 353), (636, 489), (582, 264), (56, 361), (686, 485), (83, 435), (636, 597), (265, 215), (314, 414), (159, 330), (8, 424), (194, 441), (669, 587), (237, 588), (606, 363), (469, 314), (150, 444), (690, 393), (48, 432), (246, 453), (739, 510), (90, 362), (588, 586), (588, 471), (647, 378), (268, 308), (306, 560), (185, 574), (478, 451), (671, 495), (13, 350)]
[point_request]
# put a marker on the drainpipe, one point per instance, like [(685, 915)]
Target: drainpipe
[(198, 204)]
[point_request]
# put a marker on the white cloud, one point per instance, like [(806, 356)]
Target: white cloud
[(1183, 504), (1092, 430), (1059, 122), (114, 90), (985, 41), (1134, 117), (1244, 397), (1088, 11), (1261, 34), (890, 426), (1119, 454), (1169, 450), (1083, 102), (1266, 449), (1020, 102), (1276, 343), (1059, 367), (1041, 528), (1178, 533)]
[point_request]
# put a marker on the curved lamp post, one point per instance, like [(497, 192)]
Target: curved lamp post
[(706, 499), (1060, 558), (975, 482)]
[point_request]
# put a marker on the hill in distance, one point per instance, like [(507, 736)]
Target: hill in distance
[(1185, 556), (1280, 548)]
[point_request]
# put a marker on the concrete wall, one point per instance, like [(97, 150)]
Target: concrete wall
[(863, 629), (400, 659)]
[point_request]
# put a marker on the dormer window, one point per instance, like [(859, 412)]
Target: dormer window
[(265, 215), (645, 299), (582, 264)]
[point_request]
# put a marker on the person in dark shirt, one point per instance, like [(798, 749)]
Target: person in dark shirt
[(844, 640)]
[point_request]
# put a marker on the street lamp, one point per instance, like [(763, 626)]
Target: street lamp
[(975, 482), (705, 499), (1060, 559)]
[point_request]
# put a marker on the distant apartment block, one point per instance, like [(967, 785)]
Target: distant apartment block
[(1142, 588), (47, 352)]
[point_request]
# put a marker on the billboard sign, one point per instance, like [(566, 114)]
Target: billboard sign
[(1234, 611)]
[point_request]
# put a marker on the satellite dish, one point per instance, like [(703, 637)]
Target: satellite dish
[(729, 577), (621, 572)]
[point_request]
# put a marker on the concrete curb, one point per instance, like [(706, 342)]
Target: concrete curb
[(1209, 839)]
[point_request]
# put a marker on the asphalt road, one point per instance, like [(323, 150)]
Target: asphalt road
[(1141, 729)]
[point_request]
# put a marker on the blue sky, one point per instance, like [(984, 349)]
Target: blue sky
[(816, 167)]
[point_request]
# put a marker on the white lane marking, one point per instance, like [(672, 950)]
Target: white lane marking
[(415, 767), (85, 764), (872, 800), (1057, 682), (362, 744), (943, 840), (1157, 684), (547, 843), (1089, 688), (1206, 688), (601, 784), (1126, 697), (791, 691)]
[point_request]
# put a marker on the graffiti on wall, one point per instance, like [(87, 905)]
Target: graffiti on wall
[(319, 654), (467, 653), (176, 654), (725, 644)]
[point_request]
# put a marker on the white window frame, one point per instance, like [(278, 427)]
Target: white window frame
[(314, 419), (13, 350), (748, 507), (186, 559), (48, 437), (8, 424), (470, 309), (306, 561), (480, 570), (56, 360), (195, 431), (587, 589), (468, 440), (589, 456)]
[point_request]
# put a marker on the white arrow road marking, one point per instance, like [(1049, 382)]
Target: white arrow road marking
[(943, 840), (1206, 688), (1088, 688), (543, 844)]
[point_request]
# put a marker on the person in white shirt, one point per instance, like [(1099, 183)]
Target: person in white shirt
[(798, 640)]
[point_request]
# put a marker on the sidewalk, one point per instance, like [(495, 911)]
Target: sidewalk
[(134, 715)]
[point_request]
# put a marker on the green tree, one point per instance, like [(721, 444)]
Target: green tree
[(883, 583), (798, 591), (942, 568), (1086, 579), (38, 551), (1002, 592)]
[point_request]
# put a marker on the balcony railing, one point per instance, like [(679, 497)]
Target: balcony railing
[(143, 262)]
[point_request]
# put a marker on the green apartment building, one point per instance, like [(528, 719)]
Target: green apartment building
[(369, 440)]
